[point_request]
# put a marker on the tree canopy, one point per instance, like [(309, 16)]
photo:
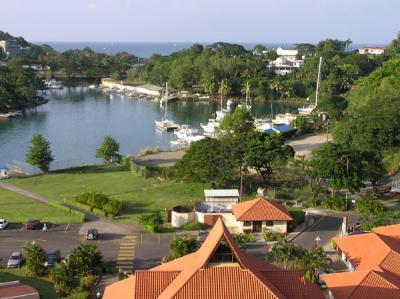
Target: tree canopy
[(39, 153)]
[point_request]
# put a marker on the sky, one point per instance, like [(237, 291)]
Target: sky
[(286, 21)]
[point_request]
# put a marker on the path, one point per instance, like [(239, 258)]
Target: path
[(24, 192), (305, 145)]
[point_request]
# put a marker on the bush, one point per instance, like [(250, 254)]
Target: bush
[(78, 204), (337, 202), (272, 236), (125, 161), (194, 225), (99, 212), (297, 214), (166, 259), (78, 294), (332, 244), (243, 239), (113, 207), (152, 222), (183, 246), (87, 282), (369, 205)]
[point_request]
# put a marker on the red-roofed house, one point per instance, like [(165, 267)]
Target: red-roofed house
[(218, 270), (374, 263), (248, 216)]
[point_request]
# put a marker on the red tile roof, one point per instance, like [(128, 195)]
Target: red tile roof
[(260, 210), (14, 289), (194, 276), (376, 258)]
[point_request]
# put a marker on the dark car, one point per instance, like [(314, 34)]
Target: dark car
[(33, 224), (92, 234), (53, 257)]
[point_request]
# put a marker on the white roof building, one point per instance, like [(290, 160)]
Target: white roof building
[(372, 50), (221, 195), (282, 52)]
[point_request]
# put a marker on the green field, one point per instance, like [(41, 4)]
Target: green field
[(18, 208), (140, 195), (41, 284)]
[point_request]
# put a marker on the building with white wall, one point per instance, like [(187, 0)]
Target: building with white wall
[(371, 50), (10, 47), (287, 62)]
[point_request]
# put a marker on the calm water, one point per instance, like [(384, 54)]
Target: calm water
[(76, 120)]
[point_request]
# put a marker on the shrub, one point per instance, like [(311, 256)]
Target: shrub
[(194, 225), (78, 204), (337, 202), (332, 244), (243, 239), (297, 214), (78, 294), (35, 258), (99, 212), (87, 282), (369, 205), (152, 222), (273, 236), (113, 207), (183, 246), (166, 259)]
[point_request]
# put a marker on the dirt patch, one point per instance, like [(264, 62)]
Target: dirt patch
[(161, 159), (304, 146)]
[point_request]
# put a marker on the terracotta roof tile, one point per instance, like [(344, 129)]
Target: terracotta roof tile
[(260, 210), (124, 289), (361, 285), (15, 289), (192, 276), (390, 230)]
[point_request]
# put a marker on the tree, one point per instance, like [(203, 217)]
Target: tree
[(264, 152), (283, 252), (35, 258), (39, 153), (372, 167), (369, 205), (312, 263), (183, 246), (63, 278), (339, 165), (86, 259), (207, 161), (109, 150)]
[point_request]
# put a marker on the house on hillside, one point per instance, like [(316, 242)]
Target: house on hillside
[(249, 216), (373, 261), (11, 47), (286, 62), (371, 50), (217, 270)]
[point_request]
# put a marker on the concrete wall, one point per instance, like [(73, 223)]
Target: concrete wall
[(232, 199), (180, 219)]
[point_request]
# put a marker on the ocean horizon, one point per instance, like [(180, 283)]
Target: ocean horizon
[(147, 49)]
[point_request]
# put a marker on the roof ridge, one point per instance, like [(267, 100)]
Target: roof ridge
[(375, 273)]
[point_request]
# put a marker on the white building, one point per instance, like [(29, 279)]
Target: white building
[(287, 62), (249, 216), (372, 50), (10, 47)]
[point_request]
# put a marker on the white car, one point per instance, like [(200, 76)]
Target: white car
[(3, 223)]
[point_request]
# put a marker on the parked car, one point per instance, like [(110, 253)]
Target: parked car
[(202, 235), (53, 257), (3, 223), (92, 234), (33, 224), (16, 260)]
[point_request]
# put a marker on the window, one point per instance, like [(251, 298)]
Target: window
[(269, 223), (247, 223)]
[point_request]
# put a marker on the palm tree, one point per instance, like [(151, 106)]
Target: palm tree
[(312, 263), (86, 257), (224, 89), (277, 85), (35, 258), (283, 252), (209, 86)]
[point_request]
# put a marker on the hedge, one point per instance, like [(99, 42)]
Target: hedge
[(78, 204), (297, 214), (99, 212), (67, 209)]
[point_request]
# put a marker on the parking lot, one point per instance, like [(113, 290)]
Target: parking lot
[(64, 237)]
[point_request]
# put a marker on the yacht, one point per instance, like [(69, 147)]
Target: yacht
[(92, 86), (284, 119), (308, 110), (166, 124), (211, 126), (223, 112), (188, 134), (53, 84)]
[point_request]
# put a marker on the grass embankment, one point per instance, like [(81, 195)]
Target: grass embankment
[(18, 209), (41, 284), (140, 195)]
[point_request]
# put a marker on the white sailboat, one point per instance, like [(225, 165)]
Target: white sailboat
[(188, 134), (247, 103), (211, 126), (166, 124), (167, 97), (308, 110)]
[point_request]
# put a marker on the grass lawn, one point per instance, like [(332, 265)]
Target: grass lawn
[(18, 208), (42, 284), (139, 194)]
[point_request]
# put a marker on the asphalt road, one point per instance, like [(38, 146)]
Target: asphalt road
[(325, 228)]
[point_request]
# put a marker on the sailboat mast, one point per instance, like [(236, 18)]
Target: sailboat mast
[(222, 91), (318, 82), (247, 93), (166, 100)]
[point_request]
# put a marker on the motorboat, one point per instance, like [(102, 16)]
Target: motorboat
[(188, 134), (53, 84), (92, 86), (211, 126), (166, 125), (284, 119), (306, 110)]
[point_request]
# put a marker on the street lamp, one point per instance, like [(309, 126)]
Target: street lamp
[(318, 239)]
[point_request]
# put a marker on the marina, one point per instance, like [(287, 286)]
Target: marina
[(76, 119)]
